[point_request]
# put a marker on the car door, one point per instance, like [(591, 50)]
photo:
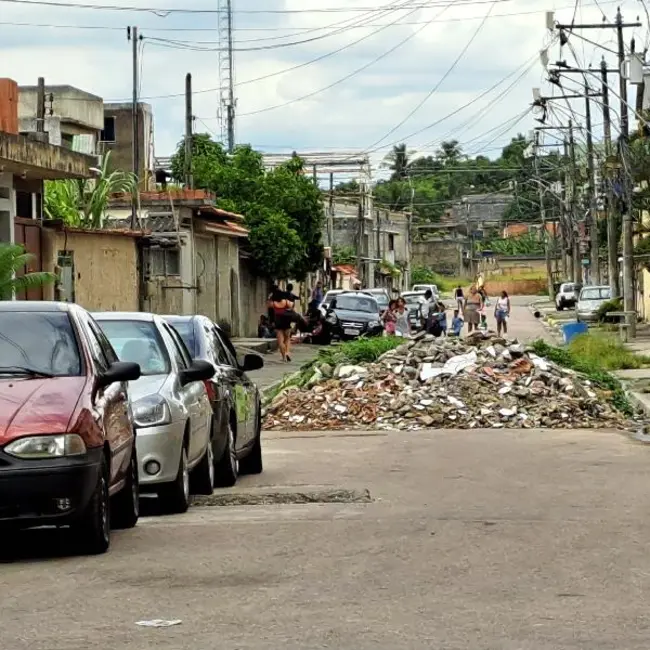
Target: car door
[(244, 392), (194, 396), (111, 404)]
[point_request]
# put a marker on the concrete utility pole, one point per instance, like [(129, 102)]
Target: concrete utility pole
[(628, 234), (132, 34), (567, 239), (575, 241), (361, 235), (40, 106), (330, 214), (542, 214), (189, 181), (226, 74), (593, 204)]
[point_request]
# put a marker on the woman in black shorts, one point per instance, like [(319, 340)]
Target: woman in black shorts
[(283, 317)]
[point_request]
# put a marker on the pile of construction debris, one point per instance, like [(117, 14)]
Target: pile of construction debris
[(481, 381)]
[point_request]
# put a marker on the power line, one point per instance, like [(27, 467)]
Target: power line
[(440, 81)]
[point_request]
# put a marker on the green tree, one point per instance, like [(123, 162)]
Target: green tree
[(13, 259), (282, 207), (82, 203)]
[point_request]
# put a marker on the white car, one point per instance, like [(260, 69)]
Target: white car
[(425, 287), (567, 296), (170, 405)]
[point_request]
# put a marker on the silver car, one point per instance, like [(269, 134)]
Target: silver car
[(170, 404), (590, 301)]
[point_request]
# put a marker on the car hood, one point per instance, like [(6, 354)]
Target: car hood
[(35, 406), (355, 316), (146, 385)]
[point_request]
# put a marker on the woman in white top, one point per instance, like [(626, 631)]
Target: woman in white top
[(501, 313)]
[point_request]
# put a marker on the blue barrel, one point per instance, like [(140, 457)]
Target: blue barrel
[(571, 330)]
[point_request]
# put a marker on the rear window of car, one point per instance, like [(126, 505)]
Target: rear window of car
[(185, 328), (596, 293), (39, 341), (138, 342), (568, 287)]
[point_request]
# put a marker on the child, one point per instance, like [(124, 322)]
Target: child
[(483, 325), (389, 318), (457, 323)]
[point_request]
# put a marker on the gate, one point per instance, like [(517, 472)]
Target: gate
[(27, 233)]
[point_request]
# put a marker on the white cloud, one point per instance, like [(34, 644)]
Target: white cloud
[(352, 114)]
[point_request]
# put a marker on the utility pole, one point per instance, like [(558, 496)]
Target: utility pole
[(593, 205), (612, 230), (628, 235), (189, 181), (40, 106), (330, 213), (227, 74), (575, 241), (542, 213), (567, 238), (132, 34), (360, 235)]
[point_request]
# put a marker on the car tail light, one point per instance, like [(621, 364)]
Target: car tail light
[(209, 387)]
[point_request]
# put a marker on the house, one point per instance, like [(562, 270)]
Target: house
[(72, 118), (194, 258), (384, 238), (478, 210), (117, 137)]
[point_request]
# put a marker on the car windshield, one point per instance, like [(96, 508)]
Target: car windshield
[(186, 330), (357, 303), (138, 342), (38, 342), (596, 293)]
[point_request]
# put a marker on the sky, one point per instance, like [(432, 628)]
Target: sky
[(326, 75)]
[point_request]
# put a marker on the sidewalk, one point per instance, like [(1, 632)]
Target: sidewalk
[(275, 369)]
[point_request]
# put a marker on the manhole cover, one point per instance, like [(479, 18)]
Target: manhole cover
[(284, 497)]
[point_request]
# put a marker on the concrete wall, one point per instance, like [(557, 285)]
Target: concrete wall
[(105, 268), (254, 292), (442, 256), (121, 149), (505, 266), (7, 207), (206, 275)]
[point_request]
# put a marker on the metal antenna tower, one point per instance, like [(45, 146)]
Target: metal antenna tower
[(226, 75)]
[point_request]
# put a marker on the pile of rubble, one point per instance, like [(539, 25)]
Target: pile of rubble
[(481, 381)]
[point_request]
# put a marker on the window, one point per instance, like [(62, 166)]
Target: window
[(186, 330), (105, 344), (164, 261), (182, 356), (108, 132), (221, 355), (228, 349), (40, 341), (596, 293), (138, 342), (357, 303), (391, 242)]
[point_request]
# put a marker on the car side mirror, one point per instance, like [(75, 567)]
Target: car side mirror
[(251, 362), (198, 371), (119, 371)]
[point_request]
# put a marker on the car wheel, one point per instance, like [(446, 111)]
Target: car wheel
[(93, 529), (176, 496), (202, 477), (252, 464), (227, 467), (125, 506)]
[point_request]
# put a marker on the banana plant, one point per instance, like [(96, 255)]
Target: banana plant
[(13, 259)]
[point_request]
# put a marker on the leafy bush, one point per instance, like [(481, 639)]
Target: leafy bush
[(605, 352), (363, 350), (611, 305), (589, 366)]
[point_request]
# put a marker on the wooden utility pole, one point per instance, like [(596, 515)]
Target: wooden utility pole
[(612, 230), (189, 118), (542, 214)]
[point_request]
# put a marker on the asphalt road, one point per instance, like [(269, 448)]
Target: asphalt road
[(516, 540)]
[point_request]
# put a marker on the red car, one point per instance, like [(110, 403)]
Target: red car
[(67, 441)]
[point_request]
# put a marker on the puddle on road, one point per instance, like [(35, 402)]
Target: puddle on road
[(270, 497)]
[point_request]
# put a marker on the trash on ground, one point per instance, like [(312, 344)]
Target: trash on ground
[(159, 622), (482, 381)]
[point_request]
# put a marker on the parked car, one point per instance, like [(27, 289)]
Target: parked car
[(589, 302), (567, 295), (171, 409), (327, 300), (236, 401), (67, 442), (414, 300), (352, 314), (425, 287), (382, 297)]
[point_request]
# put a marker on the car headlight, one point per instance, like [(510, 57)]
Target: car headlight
[(151, 411), (38, 447), (374, 323), (332, 319)]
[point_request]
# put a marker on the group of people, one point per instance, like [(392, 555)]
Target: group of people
[(473, 307)]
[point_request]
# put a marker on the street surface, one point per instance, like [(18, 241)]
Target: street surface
[(475, 539)]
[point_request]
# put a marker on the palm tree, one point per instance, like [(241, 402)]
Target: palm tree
[(82, 203), (13, 259), (398, 160)]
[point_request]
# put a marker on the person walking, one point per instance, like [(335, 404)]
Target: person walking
[(283, 317), (502, 313), (402, 325), (473, 307), (316, 297), (460, 298)]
